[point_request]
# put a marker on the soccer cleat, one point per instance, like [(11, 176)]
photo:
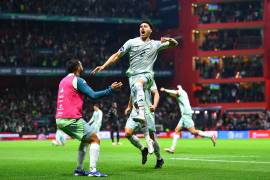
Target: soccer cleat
[(150, 146), (79, 172), (96, 174), (214, 140), (159, 164), (144, 155), (169, 150)]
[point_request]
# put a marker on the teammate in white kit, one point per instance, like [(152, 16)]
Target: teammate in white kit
[(143, 53), (96, 119), (151, 99), (186, 117)]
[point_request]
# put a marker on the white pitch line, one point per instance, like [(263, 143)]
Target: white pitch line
[(220, 160)]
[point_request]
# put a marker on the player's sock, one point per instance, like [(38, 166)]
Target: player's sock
[(175, 139), (81, 154), (148, 140), (136, 142), (157, 150), (140, 96), (94, 155), (203, 134)]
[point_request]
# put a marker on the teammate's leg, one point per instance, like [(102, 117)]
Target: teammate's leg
[(202, 134), (136, 142), (160, 160), (81, 155), (175, 139), (94, 142)]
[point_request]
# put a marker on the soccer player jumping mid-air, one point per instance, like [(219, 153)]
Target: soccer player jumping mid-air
[(69, 119), (186, 117), (143, 53)]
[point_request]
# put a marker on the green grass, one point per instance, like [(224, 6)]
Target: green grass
[(194, 159)]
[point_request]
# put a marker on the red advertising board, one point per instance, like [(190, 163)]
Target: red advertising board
[(256, 134)]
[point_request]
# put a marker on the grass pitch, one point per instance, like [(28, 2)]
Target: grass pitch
[(194, 159)]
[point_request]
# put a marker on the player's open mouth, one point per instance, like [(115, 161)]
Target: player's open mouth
[(142, 32)]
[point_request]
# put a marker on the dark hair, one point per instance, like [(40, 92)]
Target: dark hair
[(72, 65), (149, 23), (96, 104)]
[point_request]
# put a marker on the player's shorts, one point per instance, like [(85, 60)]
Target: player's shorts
[(150, 119), (148, 78), (75, 128), (186, 122)]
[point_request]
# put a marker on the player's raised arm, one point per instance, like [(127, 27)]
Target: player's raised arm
[(167, 42), (156, 98), (129, 106), (83, 87), (171, 92), (113, 59)]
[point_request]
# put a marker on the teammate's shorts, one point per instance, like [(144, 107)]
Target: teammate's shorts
[(76, 128), (150, 119), (186, 122)]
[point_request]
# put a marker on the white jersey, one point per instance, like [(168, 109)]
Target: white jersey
[(183, 102), (142, 55), (97, 119)]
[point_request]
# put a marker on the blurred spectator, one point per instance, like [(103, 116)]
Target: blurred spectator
[(88, 8), (233, 92), (244, 121), (231, 39), (230, 12), (51, 44), (230, 66)]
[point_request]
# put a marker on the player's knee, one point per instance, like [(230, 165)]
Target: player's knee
[(138, 85), (128, 134)]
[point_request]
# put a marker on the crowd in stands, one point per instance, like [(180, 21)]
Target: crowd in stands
[(87, 8), (51, 45), (32, 111), (231, 39), (230, 12), (230, 92), (230, 67), (244, 121)]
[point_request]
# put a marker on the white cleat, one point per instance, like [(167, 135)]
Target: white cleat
[(169, 150), (214, 140)]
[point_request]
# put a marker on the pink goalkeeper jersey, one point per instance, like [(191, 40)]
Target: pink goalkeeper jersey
[(69, 100)]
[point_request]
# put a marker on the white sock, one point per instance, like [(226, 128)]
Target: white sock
[(81, 154), (140, 96), (175, 139), (94, 155), (136, 142), (203, 134)]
